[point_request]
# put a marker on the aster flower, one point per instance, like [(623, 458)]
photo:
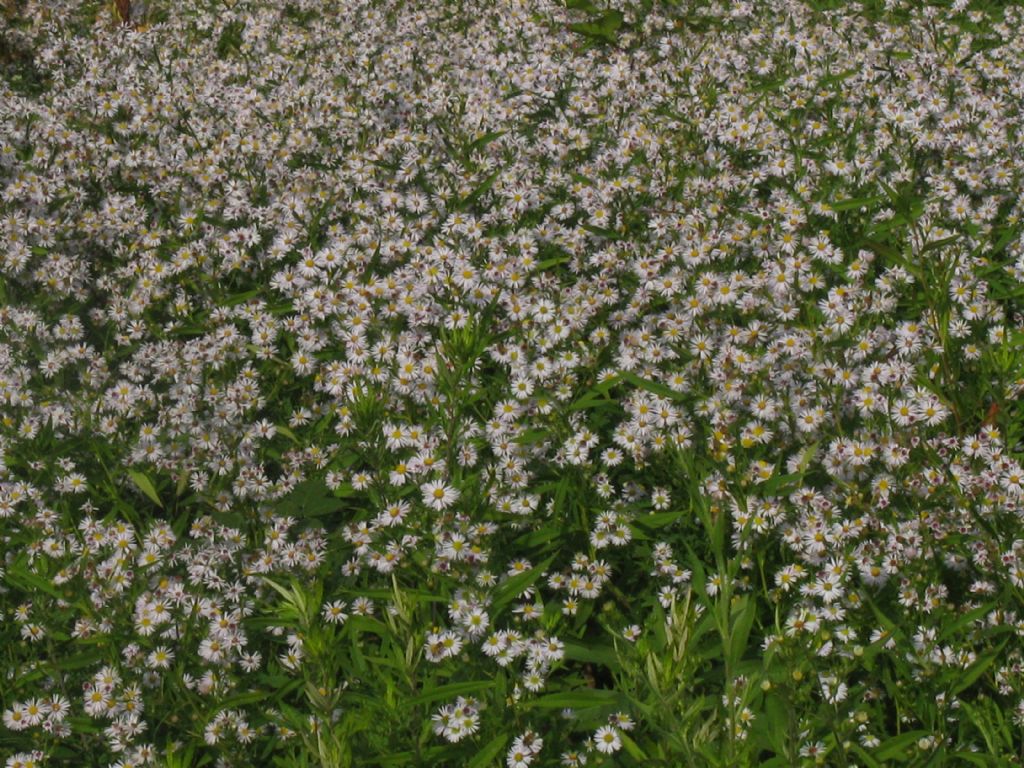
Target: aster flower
[(439, 495), (607, 740)]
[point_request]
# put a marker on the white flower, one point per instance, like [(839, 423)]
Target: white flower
[(438, 495), (15, 718), (334, 613), (160, 658), (607, 740)]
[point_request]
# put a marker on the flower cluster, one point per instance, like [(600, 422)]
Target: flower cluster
[(415, 309)]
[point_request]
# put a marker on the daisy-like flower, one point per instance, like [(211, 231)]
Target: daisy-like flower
[(607, 740), (438, 496), (160, 658), (393, 514), (250, 662), (15, 718), (612, 457), (334, 612)]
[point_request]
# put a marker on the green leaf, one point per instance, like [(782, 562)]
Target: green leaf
[(451, 691), (781, 483), (542, 535), (592, 654), (19, 575), (603, 29), (416, 595), (344, 491), (532, 436), (514, 586), (588, 697), (491, 750), (582, 5), (356, 624), (611, 21), (936, 244), (839, 77), (632, 748), (951, 628), (83, 725), (230, 519), (311, 498), (888, 225), (403, 758), (484, 140), (775, 724), (480, 191), (1005, 239), (974, 758), (607, 234), (987, 717), (241, 699), (807, 457), (654, 387), (895, 747), (594, 399), (81, 660), (281, 590), (864, 755), (145, 485), (658, 519), (241, 298), (857, 202), (554, 261), (887, 624), (967, 678), (230, 38), (743, 620), (182, 485)]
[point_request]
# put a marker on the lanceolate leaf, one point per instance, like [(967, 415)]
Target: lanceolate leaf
[(144, 484), (514, 586), (579, 699), (452, 690), (485, 757)]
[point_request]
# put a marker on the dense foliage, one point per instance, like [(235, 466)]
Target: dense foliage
[(422, 383)]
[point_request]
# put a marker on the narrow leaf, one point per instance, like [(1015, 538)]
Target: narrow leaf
[(976, 670), (632, 748), (654, 387), (858, 202), (491, 750), (145, 485), (480, 191), (29, 581), (742, 624), (894, 747), (452, 690), (593, 697), (484, 140), (592, 654), (510, 589)]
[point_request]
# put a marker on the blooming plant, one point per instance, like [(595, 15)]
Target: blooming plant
[(521, 382)]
